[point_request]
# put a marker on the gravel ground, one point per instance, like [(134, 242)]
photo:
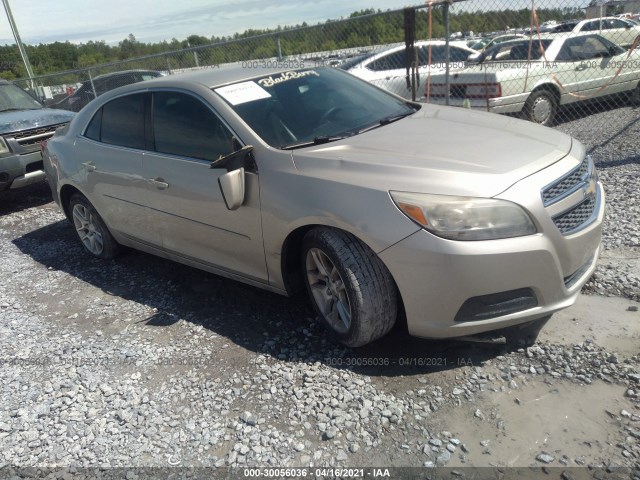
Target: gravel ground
[(616, 152), (141, 362)]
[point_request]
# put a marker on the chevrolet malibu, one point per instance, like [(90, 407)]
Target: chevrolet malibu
[(461, 222)]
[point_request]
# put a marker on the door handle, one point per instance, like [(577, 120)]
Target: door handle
[(580, 68), (159, 183), (90, 167)]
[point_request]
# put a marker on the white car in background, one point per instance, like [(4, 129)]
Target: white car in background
[(386, 68), (486, 43), (617, 30), (515, 77)]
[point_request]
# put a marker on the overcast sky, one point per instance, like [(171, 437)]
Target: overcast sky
[(46, 21)]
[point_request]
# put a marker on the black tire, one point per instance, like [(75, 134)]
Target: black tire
[(541, 107), (357, 281), (91, 229), (526, 334)]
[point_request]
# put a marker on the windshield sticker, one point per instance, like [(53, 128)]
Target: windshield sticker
[(242, 93), (270, 81)]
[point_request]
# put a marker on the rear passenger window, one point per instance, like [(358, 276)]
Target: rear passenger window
[(123, 121)]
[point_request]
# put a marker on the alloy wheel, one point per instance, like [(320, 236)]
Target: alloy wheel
[(328, 290), (87, 229)]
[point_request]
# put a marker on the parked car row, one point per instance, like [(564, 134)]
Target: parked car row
[(576, 61)]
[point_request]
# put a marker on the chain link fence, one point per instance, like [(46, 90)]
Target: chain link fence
[(547, 62)]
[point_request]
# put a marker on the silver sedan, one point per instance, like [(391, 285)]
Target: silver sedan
[(311, 179)]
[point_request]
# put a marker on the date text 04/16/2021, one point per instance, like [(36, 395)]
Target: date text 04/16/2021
[(401, 361), (320, 472)]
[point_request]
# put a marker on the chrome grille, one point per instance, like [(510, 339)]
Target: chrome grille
[(35, 135), (566, 184), (570, 220)]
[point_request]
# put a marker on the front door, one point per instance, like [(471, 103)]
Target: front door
[(184, 195)]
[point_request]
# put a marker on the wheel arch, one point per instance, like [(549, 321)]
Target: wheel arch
[(552, 88), (66, 192)]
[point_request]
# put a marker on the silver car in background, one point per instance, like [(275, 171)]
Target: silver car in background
[(314, 179), (387, 68)]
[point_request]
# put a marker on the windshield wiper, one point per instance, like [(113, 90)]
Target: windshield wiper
[(332, 138), (386, 121), (319, 140)]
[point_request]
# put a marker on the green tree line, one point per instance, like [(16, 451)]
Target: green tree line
[(362, 28)]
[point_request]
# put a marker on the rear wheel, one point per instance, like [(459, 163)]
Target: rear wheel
[(91, 230), (350, 288), (541, 107)]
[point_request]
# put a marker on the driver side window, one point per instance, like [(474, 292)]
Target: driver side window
[(183, 125)]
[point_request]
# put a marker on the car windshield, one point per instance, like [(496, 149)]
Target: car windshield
[(13, 97), (299, 108)]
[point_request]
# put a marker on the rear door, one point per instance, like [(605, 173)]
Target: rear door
[(110, 155), (185, 199)]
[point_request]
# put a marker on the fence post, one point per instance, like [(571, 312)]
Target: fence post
[(166, 57), (93, 87), (447, 51), (279, 48)]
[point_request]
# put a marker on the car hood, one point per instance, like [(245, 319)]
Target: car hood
[(441, 150), (19, 120)]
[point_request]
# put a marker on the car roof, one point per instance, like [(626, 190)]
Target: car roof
[(217, 76), (581, 22), (124, 72)]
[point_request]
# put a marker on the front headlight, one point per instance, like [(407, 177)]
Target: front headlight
[(3, 147), (465, 218)]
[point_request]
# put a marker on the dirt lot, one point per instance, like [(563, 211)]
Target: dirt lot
[(142, 362)]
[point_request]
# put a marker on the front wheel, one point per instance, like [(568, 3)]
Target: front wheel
[(352, 291), (92, 232), (541, 107)]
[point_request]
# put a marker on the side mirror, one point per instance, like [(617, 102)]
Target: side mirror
[(232, 183), (232, 188)]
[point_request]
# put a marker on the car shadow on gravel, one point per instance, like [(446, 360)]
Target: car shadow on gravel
[(30, 196), (254, 319)]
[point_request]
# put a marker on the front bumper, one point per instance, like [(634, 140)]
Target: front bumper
[(18, 171), (437, 277)]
